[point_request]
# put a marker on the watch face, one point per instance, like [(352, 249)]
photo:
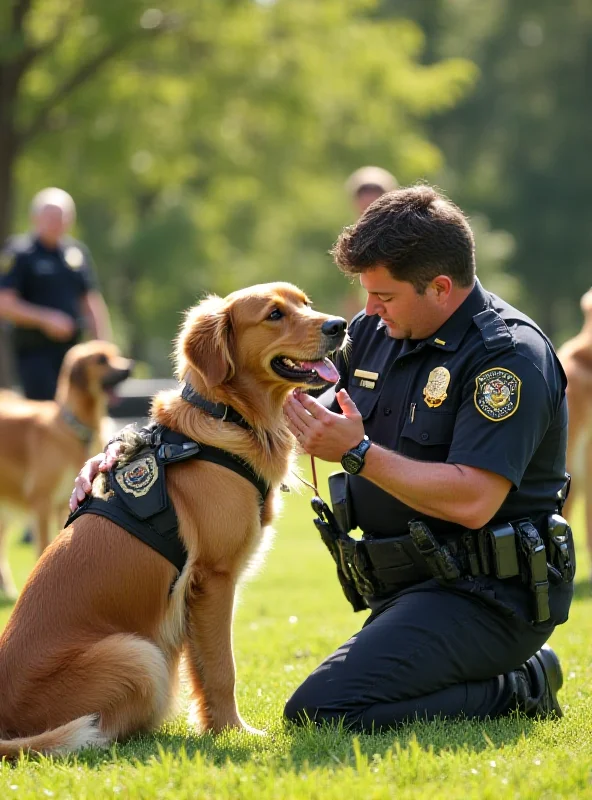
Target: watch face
[(351, 463)]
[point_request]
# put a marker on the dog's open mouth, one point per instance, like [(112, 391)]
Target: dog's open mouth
[(110, 384), (312, 372)]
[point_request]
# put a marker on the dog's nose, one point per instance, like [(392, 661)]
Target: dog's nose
[(334, 327)]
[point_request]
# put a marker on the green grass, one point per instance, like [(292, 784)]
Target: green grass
[(289, 617)]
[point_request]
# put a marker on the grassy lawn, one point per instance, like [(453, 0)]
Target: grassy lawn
[(287, 620)]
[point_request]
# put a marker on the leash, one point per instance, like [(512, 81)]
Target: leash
[(314, 484)]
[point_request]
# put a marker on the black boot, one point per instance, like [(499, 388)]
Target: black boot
[(535, 684)]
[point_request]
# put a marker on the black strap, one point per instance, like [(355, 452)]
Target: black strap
[(168, 443), (160, 532), (217, 410)]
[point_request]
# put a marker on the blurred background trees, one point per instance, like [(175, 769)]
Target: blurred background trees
[(206, 142)]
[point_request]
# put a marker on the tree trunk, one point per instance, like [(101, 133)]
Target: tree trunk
[(8, 155)]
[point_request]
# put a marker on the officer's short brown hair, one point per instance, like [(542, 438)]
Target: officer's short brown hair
[(416, 233)]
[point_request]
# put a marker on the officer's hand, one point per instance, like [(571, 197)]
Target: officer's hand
[(99, 463), (321, 432), (58, 326)]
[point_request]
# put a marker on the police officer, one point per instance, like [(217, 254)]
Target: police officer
[(367, 184), (450, 415), (48, 291)]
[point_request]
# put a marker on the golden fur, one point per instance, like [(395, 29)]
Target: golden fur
[(576, 358), (91, 652), (40, 449)]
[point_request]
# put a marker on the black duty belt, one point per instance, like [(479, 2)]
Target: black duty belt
[(535, 555), (138, 500)]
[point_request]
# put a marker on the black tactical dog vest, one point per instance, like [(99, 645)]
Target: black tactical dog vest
[(138, 500)]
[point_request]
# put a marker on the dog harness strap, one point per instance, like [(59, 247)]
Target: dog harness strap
[(139, 501), (217, 410), (172, 446), (160, 532)]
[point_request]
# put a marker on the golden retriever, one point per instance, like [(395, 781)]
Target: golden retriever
[(92, 649), (43, 444), (576, 357)]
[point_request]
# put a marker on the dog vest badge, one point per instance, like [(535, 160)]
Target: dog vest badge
[(138, 477), (434, 392), (497, 393)]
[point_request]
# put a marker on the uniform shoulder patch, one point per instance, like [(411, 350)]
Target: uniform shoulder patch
[(74, 257), (497, 393)]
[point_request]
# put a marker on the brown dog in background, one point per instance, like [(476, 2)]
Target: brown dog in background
[(92, 649), (43, 444), (576, 358)]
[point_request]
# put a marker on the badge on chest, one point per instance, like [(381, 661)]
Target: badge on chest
[(435, 390)]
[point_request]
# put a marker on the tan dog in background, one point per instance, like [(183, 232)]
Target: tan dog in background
[(92, 649), (43, 444), (576, 357)]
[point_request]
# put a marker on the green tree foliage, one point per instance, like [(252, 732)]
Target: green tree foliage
[(207, 141), (517, 148)]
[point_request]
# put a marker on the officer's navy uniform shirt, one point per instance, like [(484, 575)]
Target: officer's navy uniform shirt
[(56, 278), (486, 390)]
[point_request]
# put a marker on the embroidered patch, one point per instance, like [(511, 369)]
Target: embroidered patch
[(74, 257), (434, 392), (138, 477), (497, 393)]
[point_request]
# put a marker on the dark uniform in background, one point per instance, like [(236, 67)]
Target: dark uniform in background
[(57, 278), (486, 391)]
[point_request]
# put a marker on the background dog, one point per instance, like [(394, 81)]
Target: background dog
[(44, 444), (576, 358), (91, 651)]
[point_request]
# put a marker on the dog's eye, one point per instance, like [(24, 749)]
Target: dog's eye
[(102, 359), (275, 314)]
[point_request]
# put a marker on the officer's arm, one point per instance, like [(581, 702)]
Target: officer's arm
[(453, 492), (27, 315), (95, 311)]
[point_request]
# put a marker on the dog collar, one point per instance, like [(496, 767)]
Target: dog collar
[(84, 433), (217, 410)]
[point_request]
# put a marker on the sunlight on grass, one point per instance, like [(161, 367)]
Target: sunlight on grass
[(288, 618)]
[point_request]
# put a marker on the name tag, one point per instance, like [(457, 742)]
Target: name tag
[(367, 384), (363, 373)]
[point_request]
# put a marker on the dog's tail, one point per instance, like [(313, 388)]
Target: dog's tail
[(81, 732)]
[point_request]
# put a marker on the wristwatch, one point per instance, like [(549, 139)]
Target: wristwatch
[(353, 460)]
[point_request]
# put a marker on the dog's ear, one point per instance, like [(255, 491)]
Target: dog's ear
[(78, 375), (205, 342)]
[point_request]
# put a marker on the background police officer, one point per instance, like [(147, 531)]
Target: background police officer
[(451, 411), (48, 291), (367, 184)]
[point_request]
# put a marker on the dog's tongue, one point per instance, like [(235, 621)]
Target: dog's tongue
[(325, 369)]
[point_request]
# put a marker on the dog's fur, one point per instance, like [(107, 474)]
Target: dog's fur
[(41, 450), (576, 358), (92, 649)]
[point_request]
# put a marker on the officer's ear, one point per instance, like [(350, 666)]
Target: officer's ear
[(439, 288), (205, 342)]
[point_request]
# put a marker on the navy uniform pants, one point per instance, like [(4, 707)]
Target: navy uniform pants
[(430, 651), (38, 369)]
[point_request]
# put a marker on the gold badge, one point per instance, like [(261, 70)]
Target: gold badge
[(74, 257), (434, 392), (138, 477), (497, 393)]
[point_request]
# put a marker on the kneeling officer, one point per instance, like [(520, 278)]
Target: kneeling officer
[(450, 424)]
